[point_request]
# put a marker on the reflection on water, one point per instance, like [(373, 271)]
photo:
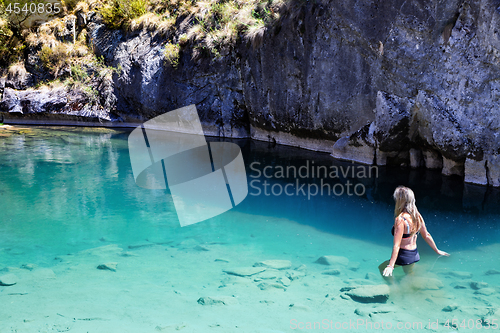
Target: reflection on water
[(467, 214), (57, 180)]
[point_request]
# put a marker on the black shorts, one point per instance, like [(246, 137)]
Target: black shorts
[(407, 257)]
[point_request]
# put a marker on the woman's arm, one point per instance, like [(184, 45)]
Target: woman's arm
[(398, 235), (428, 238)]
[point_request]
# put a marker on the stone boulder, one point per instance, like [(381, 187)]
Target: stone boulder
[(275, 264), (332, 260), (217, 300), (485, 291), (8, 280), (460, 275), (424, 283), (110, 266), (244, 271), (476, 285), (331, 272), (370, 294)]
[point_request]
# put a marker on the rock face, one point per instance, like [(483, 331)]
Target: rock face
[(413, 83), (57, 104)]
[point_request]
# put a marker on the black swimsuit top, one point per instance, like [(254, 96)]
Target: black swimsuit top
[(407, 226)]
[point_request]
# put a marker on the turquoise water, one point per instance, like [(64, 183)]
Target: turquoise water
[(69, 202)]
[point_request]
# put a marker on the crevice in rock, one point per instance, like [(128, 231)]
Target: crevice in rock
[(488, 177), (449, 28)]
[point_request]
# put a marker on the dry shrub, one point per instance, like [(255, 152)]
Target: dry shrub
[(255, 34), (70, 4), (166, 26), (17, 71), (82, 6), (195, 33), (148, 22), (54, 58)]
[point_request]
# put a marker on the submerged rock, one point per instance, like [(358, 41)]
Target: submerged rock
[(478, 285), (485, 291), (361, 312), (217, 300), (353, 266), (301, 268), (267, 286), (359, 282), (29, 267), (370, 294), (110, 266), (140, 245), (269, 274), (235, 280), (44, 273), (460, 275), (492, 272), (276, 264), (188, 243), (332, 260), (284, 281), (244, 271), (331, 272), (102, 250), (299, 307), (201, 248), (294, 275), (221, 260), (450, 307), (423, 283), (460, 285), (8, 280), (369, 311), (171, 328)]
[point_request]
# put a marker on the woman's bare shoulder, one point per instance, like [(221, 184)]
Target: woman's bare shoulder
[(399, 220), (407, 216)]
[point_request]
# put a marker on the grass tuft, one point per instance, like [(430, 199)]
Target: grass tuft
[(171, 54)]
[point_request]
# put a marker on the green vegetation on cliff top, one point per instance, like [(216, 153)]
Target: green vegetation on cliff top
[(60, 50), (210, 26)]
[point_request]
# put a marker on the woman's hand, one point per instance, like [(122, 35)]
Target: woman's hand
[(388, 271), (442, 253)]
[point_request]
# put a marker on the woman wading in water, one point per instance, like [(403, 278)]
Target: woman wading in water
[(407, 225)]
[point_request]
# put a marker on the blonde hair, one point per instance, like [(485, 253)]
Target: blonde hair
[(405, 202)]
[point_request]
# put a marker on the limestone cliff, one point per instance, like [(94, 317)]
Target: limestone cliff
[(413, 82)]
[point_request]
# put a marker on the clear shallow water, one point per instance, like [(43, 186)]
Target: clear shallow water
[(67, 190)]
